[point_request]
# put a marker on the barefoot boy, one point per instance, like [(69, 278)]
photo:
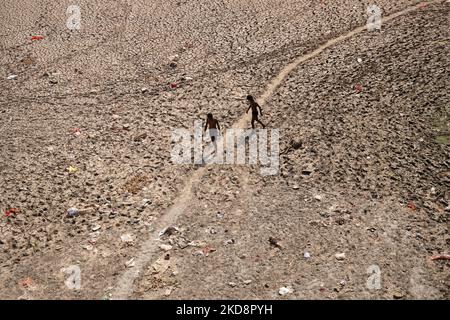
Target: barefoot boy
[(214, 126), (254, 106)]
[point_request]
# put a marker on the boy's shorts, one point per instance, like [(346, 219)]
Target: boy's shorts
[(213, 133)]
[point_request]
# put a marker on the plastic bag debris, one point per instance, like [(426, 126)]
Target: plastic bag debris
[(73, 212), (12, 77), (10, 212), (36, 38)]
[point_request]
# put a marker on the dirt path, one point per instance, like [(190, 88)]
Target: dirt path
[(149, 248)]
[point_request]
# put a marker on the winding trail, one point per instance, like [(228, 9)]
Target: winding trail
[(149, 249)]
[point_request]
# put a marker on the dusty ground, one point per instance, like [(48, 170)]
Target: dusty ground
[(369, 176)]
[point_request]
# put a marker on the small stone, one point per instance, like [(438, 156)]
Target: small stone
[(88, 247), (144, 90), (295, 187), (247, 282), (168, 231), (126, 126), (285, 290), (232, 284), (398, 295), (130, 263), (318, 197), (165, 247), (230, 241), (127, 238), (307, 255), (96, 227), (340, 256), (360, 60), (12, 77), (167, 292)]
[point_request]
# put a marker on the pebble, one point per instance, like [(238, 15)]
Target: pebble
[(285, 290), (165, 247), (127, 238), (130, 263), (318, 197), (307, 255), (340, 256)]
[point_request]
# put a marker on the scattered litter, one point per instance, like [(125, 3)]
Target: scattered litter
[(88, 247), (318, 197), (247, 282), (440, 257), (285, 290), (207, 250), (127, 238), (144, 90), (126, 126), (188, 78), (96, 227), (36, 38), (130, 263), (173, 85), (232, 284), (340, 256), (433, 190), (10, 212), (411, 205), (360, 60), (307, 255), (220, 215), (76, 131), (12, 77), (174, 57), (295, 187), (73, 212), (72, 169), (26, 282), (358, 87)]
